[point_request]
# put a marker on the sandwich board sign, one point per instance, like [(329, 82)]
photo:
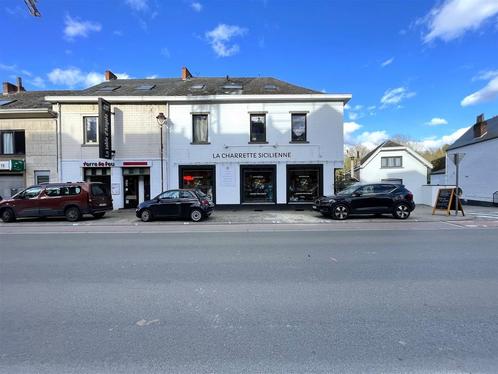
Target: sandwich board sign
[(446, 201)]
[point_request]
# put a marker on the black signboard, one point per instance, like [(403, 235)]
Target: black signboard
[(105, 144), (445, 200)]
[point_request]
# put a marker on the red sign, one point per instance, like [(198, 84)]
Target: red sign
[(134, 163)]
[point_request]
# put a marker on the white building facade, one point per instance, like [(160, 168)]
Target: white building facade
[(248, 141), (395, 163), (478, 168)]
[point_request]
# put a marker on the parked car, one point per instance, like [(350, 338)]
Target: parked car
[(377, 198), (71, 200), (184, 203)]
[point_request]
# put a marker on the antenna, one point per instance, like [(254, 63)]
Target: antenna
[(31, 4)]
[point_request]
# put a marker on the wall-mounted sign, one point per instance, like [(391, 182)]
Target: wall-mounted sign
[(116, 188), (98, 164), (259, 155), (12, 165), (105, 144), (5, 165), (228, 176)]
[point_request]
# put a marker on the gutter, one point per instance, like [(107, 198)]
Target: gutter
[(42, 112)]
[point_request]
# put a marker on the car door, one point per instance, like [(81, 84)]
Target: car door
[(26, 204), (187, 199), (362, 199), (49, 202), (169, 204), (382, 200)]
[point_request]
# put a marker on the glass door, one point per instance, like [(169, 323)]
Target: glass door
[(258, 184)]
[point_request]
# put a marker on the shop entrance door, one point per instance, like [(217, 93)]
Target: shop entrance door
[(258, 184), (130, 191)]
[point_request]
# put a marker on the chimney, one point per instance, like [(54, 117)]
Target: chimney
[(19, 87), (481, 126), (109, 76), (9, 88), (185, 74)]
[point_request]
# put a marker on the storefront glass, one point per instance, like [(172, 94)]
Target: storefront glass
[(303, 184), (258, 185), (199, 178)]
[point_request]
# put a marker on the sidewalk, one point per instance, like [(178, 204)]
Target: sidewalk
[(271, 216)]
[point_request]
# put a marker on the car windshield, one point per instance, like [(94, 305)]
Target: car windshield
[(350, 189)]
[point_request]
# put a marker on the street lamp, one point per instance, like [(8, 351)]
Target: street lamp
[(161, 120)]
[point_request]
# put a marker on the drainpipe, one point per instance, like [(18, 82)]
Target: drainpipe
[(168, 124), (59, 141)]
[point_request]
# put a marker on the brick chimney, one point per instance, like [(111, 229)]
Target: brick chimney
[(480, 127), (109, 76), (9, 88), (19, 86), (185, 74)]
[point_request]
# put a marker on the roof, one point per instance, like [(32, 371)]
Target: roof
[(468, 137), (29, 99), (196, 87), (386, 144)]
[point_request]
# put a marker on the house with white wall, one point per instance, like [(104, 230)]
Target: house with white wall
[(241, 140), (478, 167), (395, 163)]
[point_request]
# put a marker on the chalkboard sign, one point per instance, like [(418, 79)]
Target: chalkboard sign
[(446, 201)]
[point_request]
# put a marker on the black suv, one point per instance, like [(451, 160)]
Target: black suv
[(186, 203), (375, 198)]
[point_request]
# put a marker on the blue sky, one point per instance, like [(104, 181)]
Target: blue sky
[(423, 69)]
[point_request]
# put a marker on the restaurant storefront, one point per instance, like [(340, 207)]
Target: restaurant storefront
[(202, 177)]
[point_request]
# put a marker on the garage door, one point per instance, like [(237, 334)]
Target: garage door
[(10, 185)]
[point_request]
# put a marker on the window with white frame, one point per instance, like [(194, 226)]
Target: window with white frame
[(90, 130), (12, 142), (391, 162), (258, 128), (298, 122), (200, 128)]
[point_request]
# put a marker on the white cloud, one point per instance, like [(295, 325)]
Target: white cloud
[(138, 5), (165, 52), (369, 139), (437, 121), (487, 93), (38, 82), (395, 96), (437, 142), (16, 69), (123, 76), (387, 62), (486, 75), (453, 18), (196, 6), (153, 76), (74, 28), (220, 37), (74, 77)]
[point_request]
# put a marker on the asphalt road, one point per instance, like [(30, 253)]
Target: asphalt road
[(401, 301)]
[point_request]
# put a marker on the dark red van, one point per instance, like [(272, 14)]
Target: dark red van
[(71, 200)]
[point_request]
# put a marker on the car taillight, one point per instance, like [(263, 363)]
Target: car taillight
[(409, 196), (204, 202)]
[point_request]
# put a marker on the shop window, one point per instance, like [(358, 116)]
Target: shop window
[(200, 128), (12, 143), (90, 132), (298, 133), (391, 162), (258, 185), (198, 178), (258, 128), (303, 184)]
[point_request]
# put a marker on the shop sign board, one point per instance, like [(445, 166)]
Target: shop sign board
[(105, 144), (5, 165), (445, 200), (12, 165)]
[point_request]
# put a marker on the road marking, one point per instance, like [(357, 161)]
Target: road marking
[(452, 224)]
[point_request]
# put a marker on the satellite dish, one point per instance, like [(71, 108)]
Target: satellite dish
[(31, 4)]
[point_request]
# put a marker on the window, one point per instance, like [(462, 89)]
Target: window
[(383, 188), (53, 191), (90, 130), (200, 178), (70, 190), (200, 128), (169, 195), (12, 142), (42, 176), (31, 193), (298, 127), (145, 87), (391, 162), (303, 183), (108, 88), (99, 189), (365, 190), (258, 128), (186, 195)]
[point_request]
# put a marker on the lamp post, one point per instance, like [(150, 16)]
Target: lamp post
[(161, 120)]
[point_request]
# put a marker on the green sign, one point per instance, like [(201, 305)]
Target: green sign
[(17, 165)]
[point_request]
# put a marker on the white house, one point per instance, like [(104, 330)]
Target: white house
[(478, 168), (395, 163), (241, 140)]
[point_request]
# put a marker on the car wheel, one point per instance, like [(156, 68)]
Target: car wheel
[(340, 212), (401, 211), (195, 215), (146, 215), (8, 215), (99, 215), (72, 214)]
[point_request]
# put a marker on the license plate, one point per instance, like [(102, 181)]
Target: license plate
[(314, 206), (102, 204)]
